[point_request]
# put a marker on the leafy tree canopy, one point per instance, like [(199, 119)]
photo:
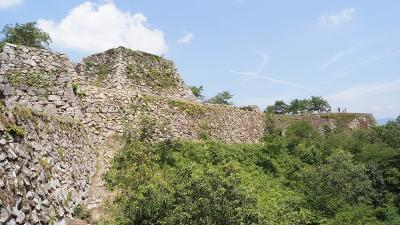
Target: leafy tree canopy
[(197, 91), (319, 104), (279, 107), (302, 177), (222, 98), (25, 34), (296, 106)]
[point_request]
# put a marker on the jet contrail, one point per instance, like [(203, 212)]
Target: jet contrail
[(258, 76)]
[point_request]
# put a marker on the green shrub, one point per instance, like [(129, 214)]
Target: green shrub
[(203, 130), (102, 73), (302, 178), (158, 77), (83, 213), (190, 108), (182, 194), (15, 130), (75, 88)]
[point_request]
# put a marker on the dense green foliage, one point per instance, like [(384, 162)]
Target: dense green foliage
[(25, 34), (278, 107), (222, 98), (296, 106), (197, 91), (300, 178)]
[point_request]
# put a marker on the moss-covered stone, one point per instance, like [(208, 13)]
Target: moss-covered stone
[(100, 71), (41, 80), (190, 108), (342, 120), (154, 78), (15, 130)]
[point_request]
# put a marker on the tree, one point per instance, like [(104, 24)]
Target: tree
[(336, 183), (197, 91), (319, 104), (298, 105), (359, 214), (25, 34), (279, 107), (300, 131), (392, 134), (155, 191), (222, 98)]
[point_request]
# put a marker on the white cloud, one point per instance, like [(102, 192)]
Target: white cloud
[(380, 98), (336, 19), (186, 38), (5, 4), (91, 28)]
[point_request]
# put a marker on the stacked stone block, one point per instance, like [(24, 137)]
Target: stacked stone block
[(38, 78)]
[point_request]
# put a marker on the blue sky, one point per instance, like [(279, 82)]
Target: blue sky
[(259, 50)]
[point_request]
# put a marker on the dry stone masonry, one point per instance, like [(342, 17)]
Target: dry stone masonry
[(39, 79), (179, 118), (45, 166), (52, 111), (125, 69), (108, 83), (325, 123)]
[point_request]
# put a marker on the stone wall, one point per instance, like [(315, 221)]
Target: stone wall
[(39, 79), (323, 122), (55, 110), (177, 118), (119, 87), (132, 71), (45, 166), (107, 82)]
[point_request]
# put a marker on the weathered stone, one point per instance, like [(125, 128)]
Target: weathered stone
[(11, 154), (6, 89), (3, 155), (4, 214), (46, 203), (42, 194), (11, 222), (3, 56), (30, 62), (59, 103), (37, 107), (50, 109), (54, 98), (54, 70), (20, 216), (34, 217)]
